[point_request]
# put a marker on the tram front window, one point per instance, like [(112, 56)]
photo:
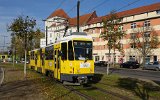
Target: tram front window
[(83, 50)]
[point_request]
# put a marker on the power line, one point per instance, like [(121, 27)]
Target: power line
[(62, 2), (98, 5), (127, 5), (73, 7)]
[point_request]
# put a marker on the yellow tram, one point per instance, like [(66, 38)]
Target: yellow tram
[(69, 59)]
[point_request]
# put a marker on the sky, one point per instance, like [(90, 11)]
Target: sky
[(41, 9)]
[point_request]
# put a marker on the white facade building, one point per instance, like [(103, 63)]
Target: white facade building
[(56, 23)]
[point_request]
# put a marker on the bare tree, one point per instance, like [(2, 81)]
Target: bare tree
[(23, 28), (113, 33), (145, 40)]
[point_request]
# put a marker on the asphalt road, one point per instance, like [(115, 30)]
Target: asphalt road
[(135, 73)]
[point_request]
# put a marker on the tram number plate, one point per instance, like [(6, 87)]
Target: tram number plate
[(84, 65)]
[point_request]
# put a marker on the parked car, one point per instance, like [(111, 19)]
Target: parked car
[(100, 63), (153, 66), (130, 64)]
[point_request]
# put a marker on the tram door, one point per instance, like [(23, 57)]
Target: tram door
[(57, 64), (42, 58)]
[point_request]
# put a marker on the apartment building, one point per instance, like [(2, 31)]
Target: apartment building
[(52, 24), (146, 16)]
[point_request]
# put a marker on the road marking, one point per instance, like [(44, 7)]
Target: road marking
[(1, 81)]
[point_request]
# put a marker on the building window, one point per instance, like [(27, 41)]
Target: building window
[(121, 27), (147, 34), (133, 25), (158, 12), (93, 31), (50, 41), (133, 45), (96, 58), (147, 45), (50, 34), (146, 23), (147, 59), (131, 58), (100, 30), (114, 58), (133, 35), (93, 39), (70, 31)]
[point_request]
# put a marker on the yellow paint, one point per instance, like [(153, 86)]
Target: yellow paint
[(65, 66)]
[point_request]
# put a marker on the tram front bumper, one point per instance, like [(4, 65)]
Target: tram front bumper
[(76, 78)]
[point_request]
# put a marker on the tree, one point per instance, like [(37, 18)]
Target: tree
[(17, 44), (35, 43), (113, 34), (145, 40), (23, 28)]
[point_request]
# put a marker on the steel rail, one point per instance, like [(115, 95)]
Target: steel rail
[(2, 73)]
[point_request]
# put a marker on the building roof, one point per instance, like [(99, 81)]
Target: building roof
[(96, 20), (82, 19), (59, 13), (135, 11), (140, 10)]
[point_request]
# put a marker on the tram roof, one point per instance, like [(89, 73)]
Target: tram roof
[(35, 49), (72, 36), (75, 35)]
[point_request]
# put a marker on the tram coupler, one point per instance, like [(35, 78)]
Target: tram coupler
[(82, 80)]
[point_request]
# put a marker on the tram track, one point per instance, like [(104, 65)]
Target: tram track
[(111, 93), (73, 89), (85, 96), (1, 75), (77, 91)]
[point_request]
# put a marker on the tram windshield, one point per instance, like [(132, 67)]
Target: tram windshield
[(83, 50)]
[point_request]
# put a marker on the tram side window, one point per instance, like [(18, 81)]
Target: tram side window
[(49, 53), (64, 51), (40, 52), (32, 55), (70, 51)]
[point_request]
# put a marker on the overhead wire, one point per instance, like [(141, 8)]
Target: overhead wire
[(62, 2), (73, 7), (98, 5), (127, 5)]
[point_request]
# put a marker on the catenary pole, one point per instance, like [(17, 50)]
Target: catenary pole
[(78, 5), (46, 35)]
